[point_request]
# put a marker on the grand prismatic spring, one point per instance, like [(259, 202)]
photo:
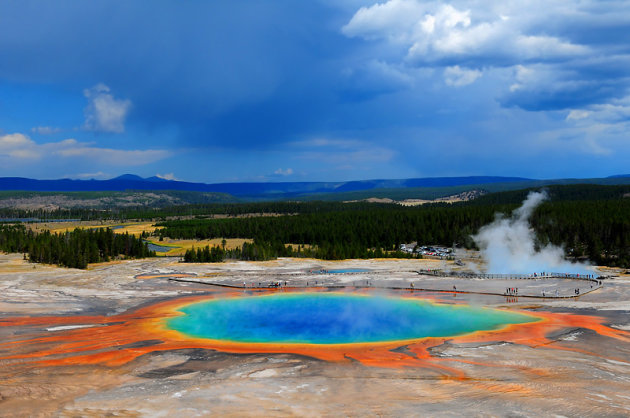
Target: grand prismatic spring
[(333, 318), (144, 337)]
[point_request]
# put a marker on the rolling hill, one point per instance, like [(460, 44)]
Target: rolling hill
[(188, 192)]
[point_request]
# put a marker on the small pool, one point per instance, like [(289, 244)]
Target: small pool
[(158, 248), (333, 318)]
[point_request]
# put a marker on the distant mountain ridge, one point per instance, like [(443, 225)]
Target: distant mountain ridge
[(282, 190), (134, 182)]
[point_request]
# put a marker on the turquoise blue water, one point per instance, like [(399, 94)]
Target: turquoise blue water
[(320, 318), (339, 271)]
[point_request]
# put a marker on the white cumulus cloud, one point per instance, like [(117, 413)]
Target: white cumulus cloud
[(105, 113), (167, 176), (18, 147), (456, 76), (281, 172), (578, 114), (97, 175), (500, 33), (561, 54)]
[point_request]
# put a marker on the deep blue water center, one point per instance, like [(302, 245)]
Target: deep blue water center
[(333, 318)]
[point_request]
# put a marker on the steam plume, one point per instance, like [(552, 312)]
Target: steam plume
[(508, 245)]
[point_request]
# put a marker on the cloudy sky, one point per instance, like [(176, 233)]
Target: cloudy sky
[(285, 90)]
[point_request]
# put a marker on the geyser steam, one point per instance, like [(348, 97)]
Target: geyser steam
[(508, 245)]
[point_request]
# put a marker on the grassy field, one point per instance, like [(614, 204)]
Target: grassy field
[(180, 246), (133, 228)]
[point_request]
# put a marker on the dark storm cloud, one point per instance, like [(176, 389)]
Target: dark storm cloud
[(250, 71), (437, 87)]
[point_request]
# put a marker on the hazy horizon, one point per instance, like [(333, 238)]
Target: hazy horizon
[(159, 177)]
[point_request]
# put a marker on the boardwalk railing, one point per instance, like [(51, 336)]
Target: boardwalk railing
[(542, 275)]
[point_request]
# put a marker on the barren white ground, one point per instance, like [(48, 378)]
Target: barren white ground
[(522, 381)]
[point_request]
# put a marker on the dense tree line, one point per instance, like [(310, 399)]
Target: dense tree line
[(73, 248), (256, 251), (556, 193), (205, 255), (374, 228), (261, 251), (572, 192), (196, 210), (348, 234), (598, 229)]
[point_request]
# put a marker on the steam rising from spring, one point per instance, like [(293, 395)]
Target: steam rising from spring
[(508, 245)]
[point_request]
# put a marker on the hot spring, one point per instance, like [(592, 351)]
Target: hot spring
[(333, 318)]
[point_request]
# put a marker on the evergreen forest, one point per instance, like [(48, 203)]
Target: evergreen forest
[(589, 221), (74, 248), (595, 229)]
